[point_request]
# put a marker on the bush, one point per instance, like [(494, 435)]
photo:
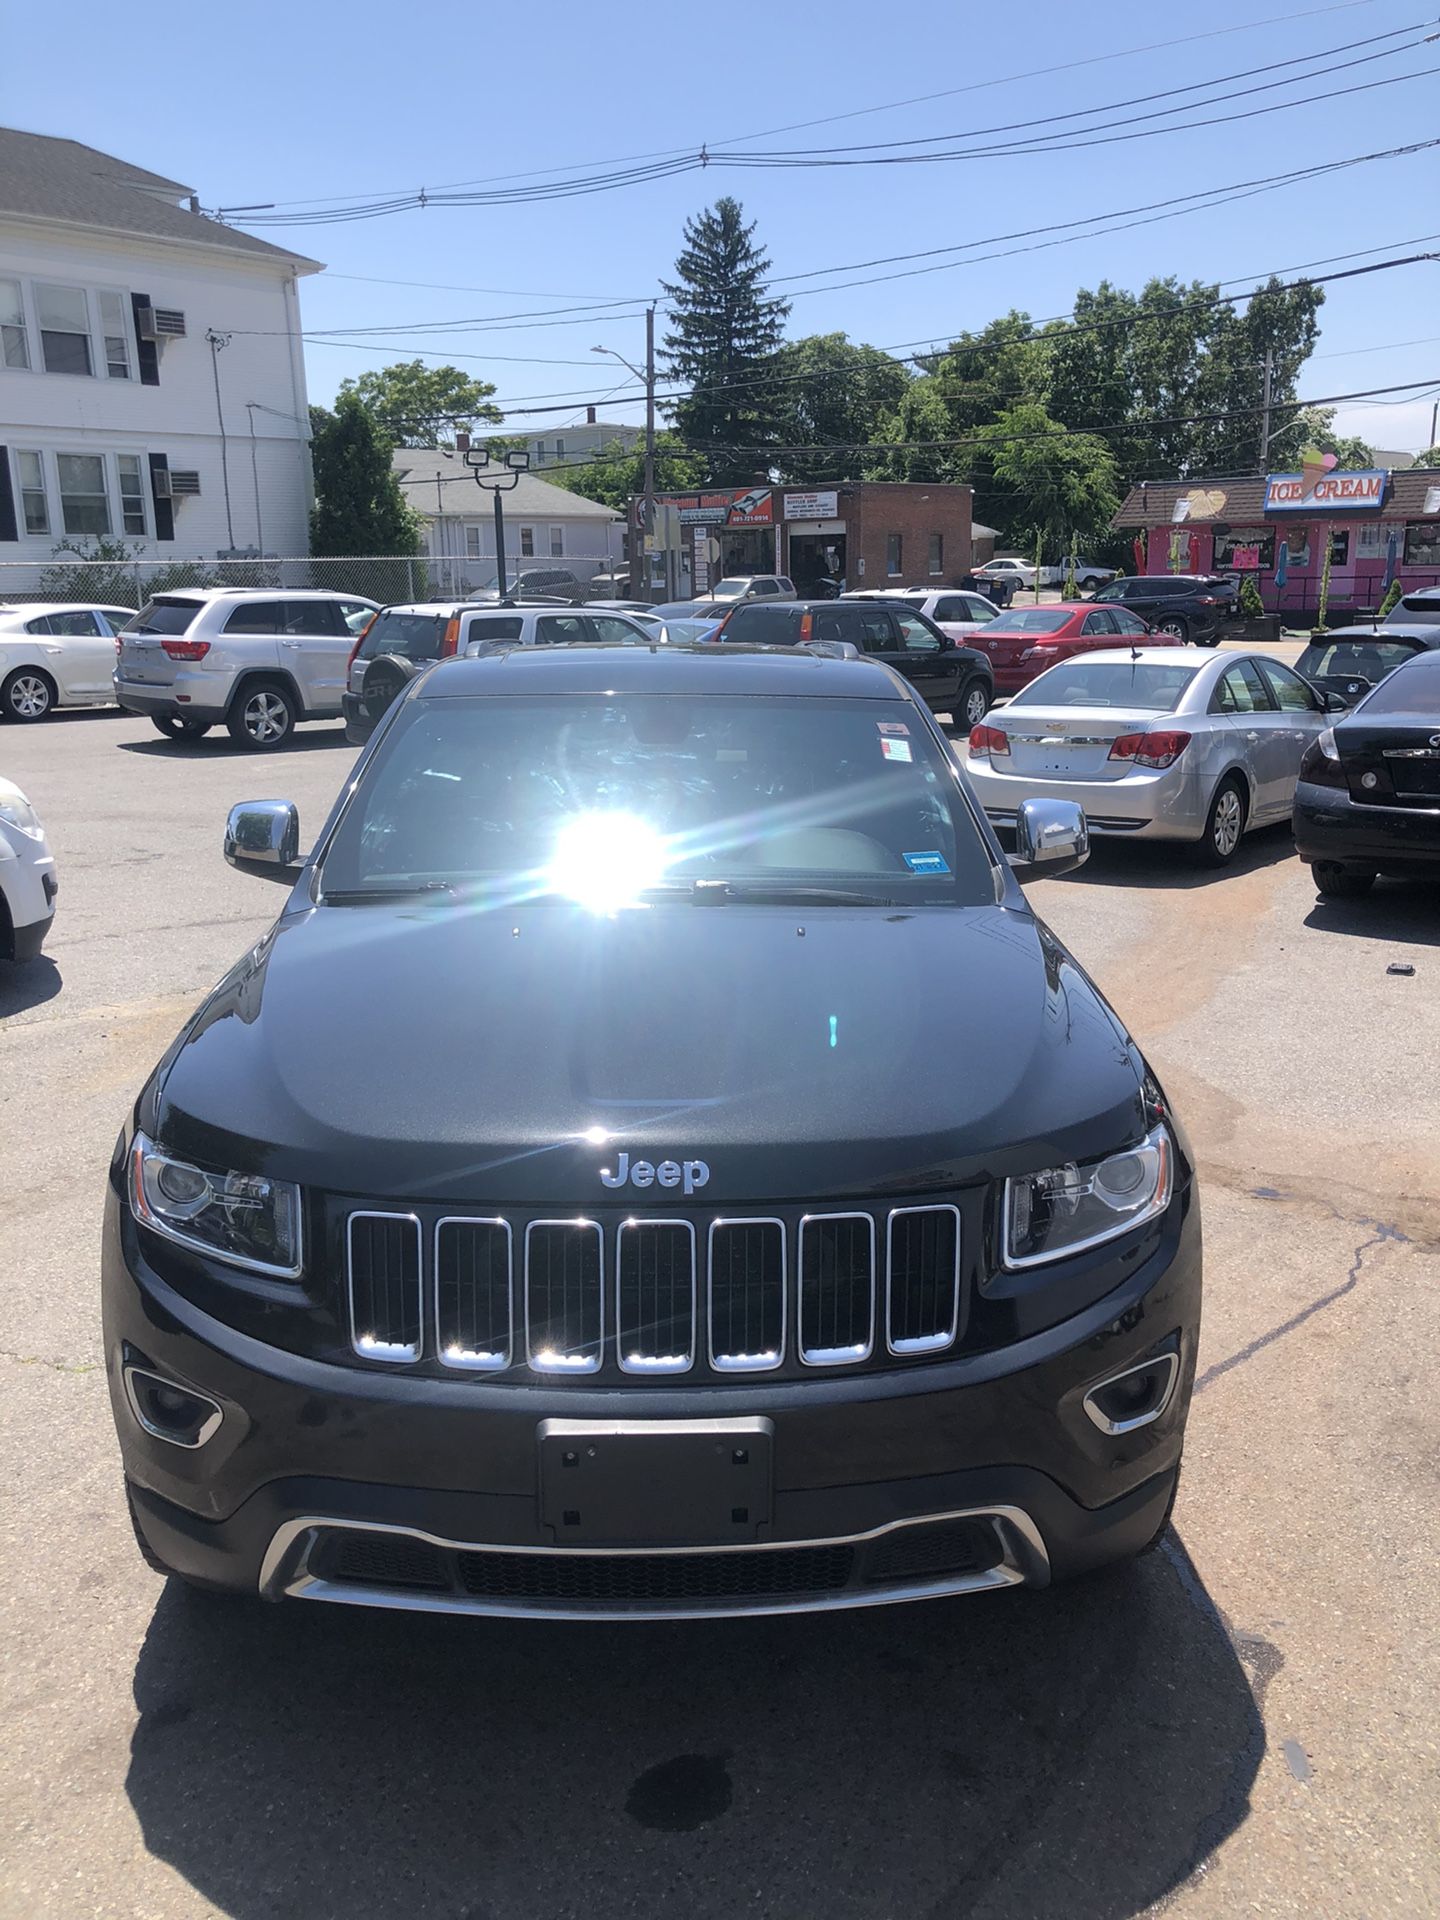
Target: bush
[(108, 578), (1251, 605), (1392, 598)]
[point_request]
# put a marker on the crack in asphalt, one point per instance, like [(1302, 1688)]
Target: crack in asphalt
[(52, 1366), (1384, 1230)]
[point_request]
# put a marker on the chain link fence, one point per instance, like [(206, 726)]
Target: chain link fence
[(388, 578)]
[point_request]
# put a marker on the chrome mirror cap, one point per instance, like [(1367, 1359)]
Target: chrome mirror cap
[(1051, 837), (263, 833)]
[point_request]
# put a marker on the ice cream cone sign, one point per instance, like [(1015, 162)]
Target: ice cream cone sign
[(1314, 465)]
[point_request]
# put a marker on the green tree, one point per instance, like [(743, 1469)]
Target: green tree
[(358, 504), (618, 472), (911, 441), (1430, 457), (829, 392), (420, 406), (1063, 485), (724, 329)]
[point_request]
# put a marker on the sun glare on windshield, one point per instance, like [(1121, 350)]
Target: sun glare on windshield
[(605, 861)]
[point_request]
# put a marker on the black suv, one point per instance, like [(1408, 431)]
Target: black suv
[(573, 1206), (950, 677), (1191, 606)]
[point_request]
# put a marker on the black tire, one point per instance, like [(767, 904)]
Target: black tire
[(972, 706), (386, 678), (1341, 883), (174, 727), (27, 695), (262, 716), (1224, 824), (1172, 624)]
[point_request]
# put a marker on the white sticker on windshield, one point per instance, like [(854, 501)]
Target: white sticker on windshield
[(896, 749)]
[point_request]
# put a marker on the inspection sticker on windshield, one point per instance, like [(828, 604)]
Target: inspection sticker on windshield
[(926, 862), (896, 749), (892, 726)]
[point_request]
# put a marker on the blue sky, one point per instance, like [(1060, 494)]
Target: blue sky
[(287, 102)]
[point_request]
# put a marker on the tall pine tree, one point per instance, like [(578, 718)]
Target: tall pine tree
[(724, 328)]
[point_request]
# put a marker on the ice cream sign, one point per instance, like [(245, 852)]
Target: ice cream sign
[(1319, 488)]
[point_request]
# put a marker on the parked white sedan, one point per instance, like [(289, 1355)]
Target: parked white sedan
[(1174, 743), (57, 654), (953, 611)]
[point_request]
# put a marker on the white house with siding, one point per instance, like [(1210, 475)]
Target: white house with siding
[(152, 384), (545, 526)]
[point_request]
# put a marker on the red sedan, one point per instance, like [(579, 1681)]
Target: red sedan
[(1024, 641)]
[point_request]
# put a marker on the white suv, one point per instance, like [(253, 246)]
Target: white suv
[(259, 659), (27, 877), (402, 641)]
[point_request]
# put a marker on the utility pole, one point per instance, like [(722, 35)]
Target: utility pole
[(219, 341), (1265, 412), (647, 524)]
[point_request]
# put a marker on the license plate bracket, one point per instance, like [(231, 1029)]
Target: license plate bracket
[(655, 1483)]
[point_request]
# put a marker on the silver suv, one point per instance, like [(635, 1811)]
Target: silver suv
[(258, 659)]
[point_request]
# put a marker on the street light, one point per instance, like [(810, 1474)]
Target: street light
[(516, 462), (648, 379)]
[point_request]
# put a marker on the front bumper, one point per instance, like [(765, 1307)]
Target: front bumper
[(344, 1483), (1330, 826), (29, 884)]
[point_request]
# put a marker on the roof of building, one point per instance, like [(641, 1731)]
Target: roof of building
[(61, 181), (531, 499), (1414, 494)]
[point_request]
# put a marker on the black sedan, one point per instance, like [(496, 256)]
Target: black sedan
[(950, 677), (1352, 660), (1368, 797)]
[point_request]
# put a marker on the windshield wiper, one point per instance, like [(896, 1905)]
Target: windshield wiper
[(354, 896), (771, 892)]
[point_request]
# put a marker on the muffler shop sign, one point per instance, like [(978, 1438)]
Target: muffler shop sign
[(752, 508), (1325, 492)]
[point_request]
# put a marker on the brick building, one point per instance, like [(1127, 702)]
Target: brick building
[(864, 533)]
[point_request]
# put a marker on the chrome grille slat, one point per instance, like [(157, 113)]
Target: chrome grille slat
[(922, 1278), (748, 1294), (474, 1292), (655, 1296), (564, 1295), (837, 1288), (382, 1260)]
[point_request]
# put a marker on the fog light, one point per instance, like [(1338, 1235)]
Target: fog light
[(1135, 1397), (1369, 780), (169, 1411)]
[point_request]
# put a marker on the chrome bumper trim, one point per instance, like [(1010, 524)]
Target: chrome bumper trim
[(284, 1572)]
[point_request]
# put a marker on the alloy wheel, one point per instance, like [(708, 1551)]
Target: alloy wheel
[(1229, 818), (267, 718), (976, 706), (29, 696)]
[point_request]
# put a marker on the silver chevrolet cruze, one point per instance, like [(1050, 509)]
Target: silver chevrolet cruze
[(1173, 743)]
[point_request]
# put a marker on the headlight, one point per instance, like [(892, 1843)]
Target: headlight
[(19, 813), (239, 1217), (1062, 1210)]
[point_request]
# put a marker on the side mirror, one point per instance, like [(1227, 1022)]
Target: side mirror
[(1051, 838), (263, 837), (1336, 703)]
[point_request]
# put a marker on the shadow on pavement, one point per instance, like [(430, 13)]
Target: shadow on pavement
[(29, 986), (219, 742), (1079, 1752), (1172, 865), (1392, 910)]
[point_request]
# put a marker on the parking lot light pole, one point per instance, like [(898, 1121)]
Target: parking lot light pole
[(516, 462)]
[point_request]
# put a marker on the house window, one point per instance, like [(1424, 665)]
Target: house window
[(894, 554), (64, 329), (472, 543), (132, 493), (1298, 541), (14, 341), (33, 503), (1422, 543), (115, 326), (559, 449), (937, 553), (1340, 548), (557, 543), (84, 504), (527, 543), (1244, 547)]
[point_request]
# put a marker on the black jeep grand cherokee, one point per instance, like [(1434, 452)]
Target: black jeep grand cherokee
[(657, 1164)]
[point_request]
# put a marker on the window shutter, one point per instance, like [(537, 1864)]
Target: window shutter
[(9, 528), (149, 360), (164, 508)]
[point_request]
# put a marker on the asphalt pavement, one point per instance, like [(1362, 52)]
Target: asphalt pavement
[(1243, 1723)]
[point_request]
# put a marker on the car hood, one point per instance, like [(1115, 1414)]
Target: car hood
[(438, 1051)]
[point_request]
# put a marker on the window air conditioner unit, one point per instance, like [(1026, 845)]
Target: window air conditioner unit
[(169, 323), (161, 480), (145, 322), (184, 480)]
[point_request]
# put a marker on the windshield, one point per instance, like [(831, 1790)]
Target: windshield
[(1416, 690), (770, 623), (414, 636), (609, 798), (1368, 659), (164, 616), (1108, 683), (1034, 620)]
